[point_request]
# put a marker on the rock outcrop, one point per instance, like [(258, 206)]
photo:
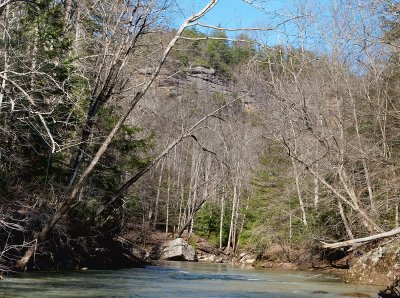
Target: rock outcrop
[(201, 70), (178, 250), (379, 266), (247, 259)]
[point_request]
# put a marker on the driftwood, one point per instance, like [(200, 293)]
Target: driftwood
[(391, 291), (360, 241)]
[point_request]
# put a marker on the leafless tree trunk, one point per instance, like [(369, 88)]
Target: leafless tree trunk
[(172, 145), (364, 162), (158, 192), (298, 190), (5, 55), (344, 219), (71, 196), (221, 221), (233, 215), (169, 191), (241, 229), (316, 182)]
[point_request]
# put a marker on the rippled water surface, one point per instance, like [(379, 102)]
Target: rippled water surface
[(179, 279)]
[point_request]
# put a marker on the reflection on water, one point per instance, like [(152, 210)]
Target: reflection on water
[(179, 279)]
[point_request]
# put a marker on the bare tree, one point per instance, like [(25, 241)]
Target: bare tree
[(71, 196)]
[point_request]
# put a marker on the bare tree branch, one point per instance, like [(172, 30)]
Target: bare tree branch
[(71, 196), (32, 102), (136, 177)]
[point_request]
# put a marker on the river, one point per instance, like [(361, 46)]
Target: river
[(180, 279)]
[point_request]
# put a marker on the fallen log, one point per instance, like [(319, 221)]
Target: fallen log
[(361, 241), (391, 291)]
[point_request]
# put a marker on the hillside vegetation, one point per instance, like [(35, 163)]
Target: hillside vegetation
[(105, 133)]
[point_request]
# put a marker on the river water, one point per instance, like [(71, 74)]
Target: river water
[(180, 279)]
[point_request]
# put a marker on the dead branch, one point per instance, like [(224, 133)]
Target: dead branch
[(218, 38), (363, 240), (235, 29)]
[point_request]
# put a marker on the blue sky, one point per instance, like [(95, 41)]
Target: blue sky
[(237, 13), (228, 13), (314, 33)]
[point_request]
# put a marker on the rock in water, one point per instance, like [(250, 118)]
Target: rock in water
[(178, 250)]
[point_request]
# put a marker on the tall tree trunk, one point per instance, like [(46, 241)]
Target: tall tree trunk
[(76, 45), (235, 225), (316, 182), (194, 197), (344, 219), (71, 196), (290, 221), (298, 190), (186, 212), (171, 168), (221, 222), (68, 11), (105, 88), (5, 56), (189, 220), (296, 175), (241, 226), (182, 198), (363, 160), (316, 193), (158, 192), (183, 166), (34, 57), (231, 227)]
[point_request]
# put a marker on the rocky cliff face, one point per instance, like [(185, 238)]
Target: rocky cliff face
[(380, 266), (203, 80)]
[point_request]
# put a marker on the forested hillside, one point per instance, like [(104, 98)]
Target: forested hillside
[(114, 123)]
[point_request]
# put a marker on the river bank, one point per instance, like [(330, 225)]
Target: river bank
[(376, 264), (372, 266)]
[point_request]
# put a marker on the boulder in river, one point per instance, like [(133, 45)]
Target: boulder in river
[(178, 250)]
